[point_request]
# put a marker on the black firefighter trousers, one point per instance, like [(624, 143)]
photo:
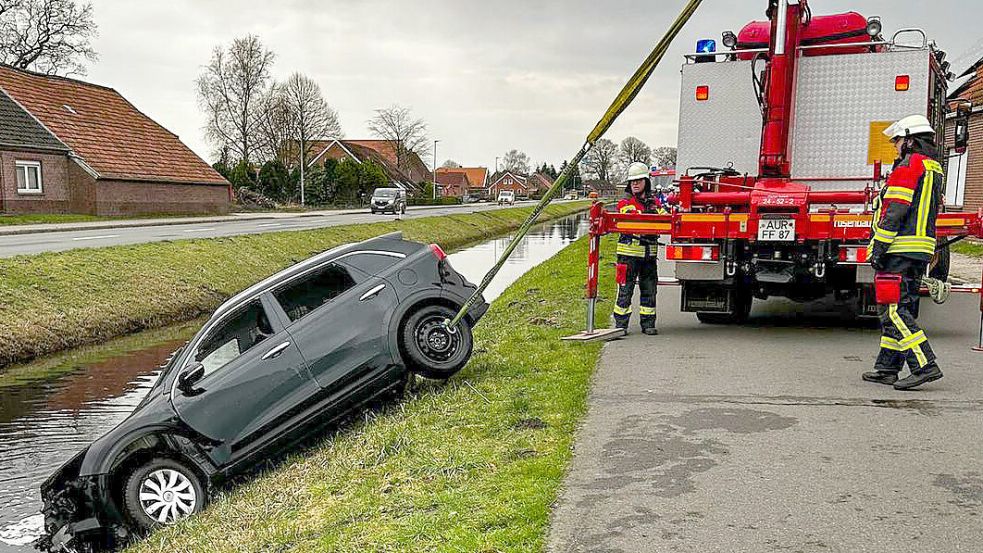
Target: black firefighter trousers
[(901, 338), (644, 271)]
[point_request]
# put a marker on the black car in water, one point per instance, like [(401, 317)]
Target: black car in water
[(275, 363)]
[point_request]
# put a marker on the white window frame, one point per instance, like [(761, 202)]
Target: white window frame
[(26, 166)]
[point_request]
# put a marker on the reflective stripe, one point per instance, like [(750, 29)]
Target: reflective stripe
[(913, 244), (924, 204), (913, 340), (622, 310), (920, 356), (646, 311), (628, 208), (899, 193), (885, 236), (932, 165), (631, 250), (890, 343)]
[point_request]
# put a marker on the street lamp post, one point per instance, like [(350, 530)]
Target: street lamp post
[(435, 169)]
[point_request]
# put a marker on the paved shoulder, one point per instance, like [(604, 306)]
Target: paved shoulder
[(763, 438)]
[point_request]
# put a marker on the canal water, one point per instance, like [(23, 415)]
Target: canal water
[(52, 408)]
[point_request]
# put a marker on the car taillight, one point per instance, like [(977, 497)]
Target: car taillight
[(702, 93), (438, 252), (694, 252), (853, 254)]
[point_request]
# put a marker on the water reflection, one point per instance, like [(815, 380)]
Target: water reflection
[(43, 422)]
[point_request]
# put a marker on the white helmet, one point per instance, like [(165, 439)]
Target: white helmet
[(636, 171), (909, 126)]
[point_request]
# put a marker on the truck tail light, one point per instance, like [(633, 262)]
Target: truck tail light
[(902, 83), (702, 93), (696, 253), (438, 252), (855, 255)]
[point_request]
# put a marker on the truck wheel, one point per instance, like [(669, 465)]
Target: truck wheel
[(742, 310), (429, 350), (940, 264), (162, 492), (403, 210)]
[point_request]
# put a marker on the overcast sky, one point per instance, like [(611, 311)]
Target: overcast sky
[(487, 76)]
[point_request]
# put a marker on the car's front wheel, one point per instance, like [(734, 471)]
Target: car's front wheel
[(431, 349), (162, 492)]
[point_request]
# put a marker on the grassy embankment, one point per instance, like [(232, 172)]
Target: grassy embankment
[(56, 301), (471, 465), (970, 248)]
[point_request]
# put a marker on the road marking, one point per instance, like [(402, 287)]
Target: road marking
[(270, 225), (96, 237), (200, 229)]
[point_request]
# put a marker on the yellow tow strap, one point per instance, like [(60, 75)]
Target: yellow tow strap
[(621, 102)]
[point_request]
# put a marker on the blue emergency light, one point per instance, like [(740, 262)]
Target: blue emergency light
[(706, 46)]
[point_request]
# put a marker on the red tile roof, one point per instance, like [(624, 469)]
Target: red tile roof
[(415, 169), (477, 176), (112, 136)]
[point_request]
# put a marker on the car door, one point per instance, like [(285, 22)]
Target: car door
[(337, 315), (255, 377)]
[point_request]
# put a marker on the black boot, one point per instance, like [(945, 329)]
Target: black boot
[(880, 377), (650, 331), (923, 376)]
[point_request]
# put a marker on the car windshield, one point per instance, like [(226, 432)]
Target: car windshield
[(385, 193)]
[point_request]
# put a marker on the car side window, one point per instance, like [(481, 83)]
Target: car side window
[(236, 335), (314, 290), (371, 263)]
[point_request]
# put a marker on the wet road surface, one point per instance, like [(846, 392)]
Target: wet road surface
[(763, 438), (44, 422)]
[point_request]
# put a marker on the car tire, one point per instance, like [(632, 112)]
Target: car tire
[(430, 351), (178, 490)]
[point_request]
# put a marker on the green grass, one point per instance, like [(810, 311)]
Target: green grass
[(965, 247), (56, 301), (470, 465)]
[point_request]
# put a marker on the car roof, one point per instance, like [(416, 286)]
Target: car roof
[(271, 281)]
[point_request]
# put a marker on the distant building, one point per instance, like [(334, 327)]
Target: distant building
[(382, 153), (67, 146), (964, 173), (507, 180), (477, 178), (453, 184)]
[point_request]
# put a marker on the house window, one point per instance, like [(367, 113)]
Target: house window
[(28, 177)]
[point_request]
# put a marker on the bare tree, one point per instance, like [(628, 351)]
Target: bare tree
[(231, 90), (601, 162), (407, 133), (275, 125), (665, 156), (516, 161), (48, 36), (633, 149), (311, 116), (451, 164)]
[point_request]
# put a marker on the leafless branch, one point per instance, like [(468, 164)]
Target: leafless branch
[(408, 134), (47, 36)]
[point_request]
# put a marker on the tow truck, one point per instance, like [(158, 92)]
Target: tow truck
[(781, 155)]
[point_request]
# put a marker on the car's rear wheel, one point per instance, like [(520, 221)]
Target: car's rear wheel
[(430, 349), (162, 492)]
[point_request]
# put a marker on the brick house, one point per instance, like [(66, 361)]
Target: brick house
[(380, 152), (477, 179), (964, 172), (453, 183), (68, 146), (507, 180)]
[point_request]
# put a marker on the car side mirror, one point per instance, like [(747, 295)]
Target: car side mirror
[(189, 377)]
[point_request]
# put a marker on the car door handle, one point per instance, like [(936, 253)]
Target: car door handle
[(372, 293), (275, 352)]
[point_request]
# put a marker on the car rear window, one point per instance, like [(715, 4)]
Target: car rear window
[(371, 263), (314, 290)]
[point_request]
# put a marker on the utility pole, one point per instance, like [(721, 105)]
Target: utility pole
[(435, 169), (303, 162)]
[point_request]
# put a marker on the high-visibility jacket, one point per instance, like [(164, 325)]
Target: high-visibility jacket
[(906, 209), (634, 245)]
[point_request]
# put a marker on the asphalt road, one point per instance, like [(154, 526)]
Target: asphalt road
[(29, 244), (763, 438)]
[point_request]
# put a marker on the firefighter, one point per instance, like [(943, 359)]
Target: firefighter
[(638, 255), (903, 243)]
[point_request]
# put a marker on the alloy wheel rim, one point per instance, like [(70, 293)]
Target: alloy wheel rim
[(167, 496), (434, 340)]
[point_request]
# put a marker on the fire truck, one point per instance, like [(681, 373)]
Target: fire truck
[(781, 155)]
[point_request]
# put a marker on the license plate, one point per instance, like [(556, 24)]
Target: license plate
[(776, 230)]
